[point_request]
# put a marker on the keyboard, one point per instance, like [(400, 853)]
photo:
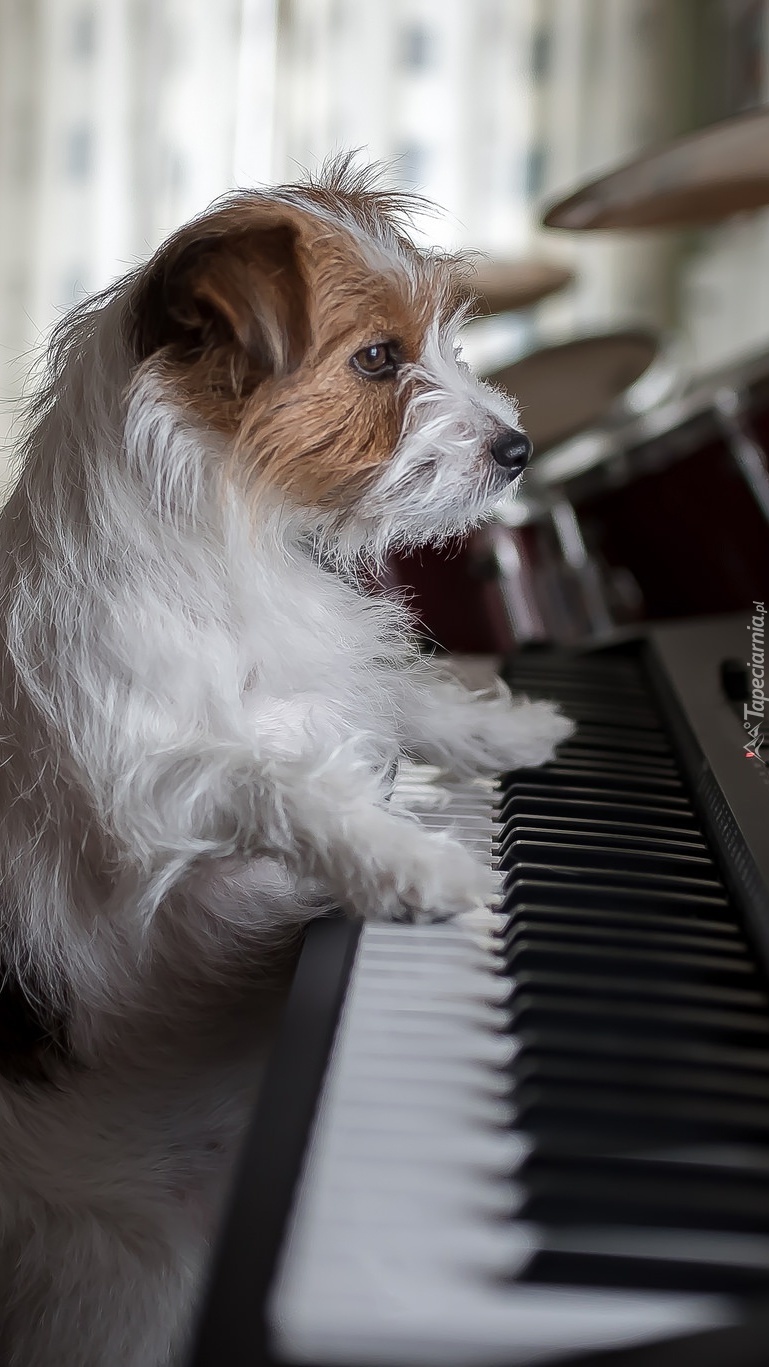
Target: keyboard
[(538, 1133)]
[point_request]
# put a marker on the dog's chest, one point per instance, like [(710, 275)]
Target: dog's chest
[(314, 668)]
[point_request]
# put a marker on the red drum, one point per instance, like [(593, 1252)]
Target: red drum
[(680, 517)]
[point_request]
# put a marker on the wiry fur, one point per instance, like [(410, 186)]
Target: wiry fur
[(199, 708)]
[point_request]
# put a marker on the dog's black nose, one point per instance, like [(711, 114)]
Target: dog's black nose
[(512, 450)]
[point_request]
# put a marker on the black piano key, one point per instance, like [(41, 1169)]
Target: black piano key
[(610, 856), (592, 1038), (661, 833), (597, 1118), (597, 807), (590, 743), (538, 783), (607, 987), (530, 893), (609, 1071), (690, 971), (559, 773), (622, 928), (626, 841), (577, 685), (560, 663), (602, 707), (589, 758), (593, 683), (563, 1010), (660, 1259), (624, 1190), (613, 684), (599, 814), (621, 741), (596, 875)]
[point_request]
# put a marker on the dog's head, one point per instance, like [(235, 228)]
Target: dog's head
[(306, 328)]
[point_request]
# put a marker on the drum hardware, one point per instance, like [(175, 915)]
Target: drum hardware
[(558, 591), (585, 570), (748, 455), (499, 555), (574, 458), (565, 392)]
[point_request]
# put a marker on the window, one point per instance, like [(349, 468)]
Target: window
[(416, 47), (540, 54), (78, 150), (535, 171), (84, 33), (411, 163)]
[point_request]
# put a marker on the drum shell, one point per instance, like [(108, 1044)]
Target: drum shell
[(682, 520)]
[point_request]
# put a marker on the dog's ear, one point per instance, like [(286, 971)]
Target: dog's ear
[(233, 296)]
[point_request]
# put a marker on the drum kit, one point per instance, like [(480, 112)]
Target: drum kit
[(633, 505)]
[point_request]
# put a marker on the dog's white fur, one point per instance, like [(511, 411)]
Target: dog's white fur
[(203, 708)]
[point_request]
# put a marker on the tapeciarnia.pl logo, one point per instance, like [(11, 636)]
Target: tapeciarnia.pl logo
[(755, 710)]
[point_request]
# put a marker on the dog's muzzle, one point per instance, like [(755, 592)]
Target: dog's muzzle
[(511, 450)]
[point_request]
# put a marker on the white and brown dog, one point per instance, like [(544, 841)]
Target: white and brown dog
[(200, 705)]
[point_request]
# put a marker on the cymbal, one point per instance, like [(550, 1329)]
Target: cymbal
[(501, 286), (701, 178), (567, 389)]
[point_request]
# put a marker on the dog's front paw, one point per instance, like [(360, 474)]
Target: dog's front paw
[(423, 878), (531, 734)]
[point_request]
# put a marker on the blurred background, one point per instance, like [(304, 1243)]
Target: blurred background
[(119, 119)]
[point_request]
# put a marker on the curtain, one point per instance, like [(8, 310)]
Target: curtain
[(119, 119)]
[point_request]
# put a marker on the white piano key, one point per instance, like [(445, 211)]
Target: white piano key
[(375, 1194), (445, 1320), (443, 970), (452, 1074), (408, 1114), (491, 990), (410, 944), (479, 1049), (438, 941), (479, 1248), (412, 947)]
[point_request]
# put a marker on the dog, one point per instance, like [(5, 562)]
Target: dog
[(201, 703)]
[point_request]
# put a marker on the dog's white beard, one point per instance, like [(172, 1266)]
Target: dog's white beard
[(439, 482)]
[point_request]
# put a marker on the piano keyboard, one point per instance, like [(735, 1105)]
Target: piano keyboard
[(543, 1129)]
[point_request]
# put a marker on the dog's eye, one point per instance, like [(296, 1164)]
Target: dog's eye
[(376, 362)]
